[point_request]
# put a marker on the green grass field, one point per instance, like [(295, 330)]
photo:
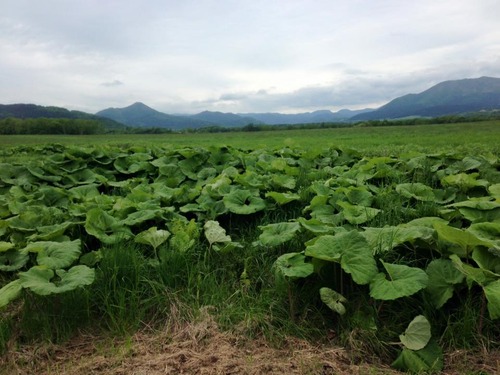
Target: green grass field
[(372, 140), (283, 234)]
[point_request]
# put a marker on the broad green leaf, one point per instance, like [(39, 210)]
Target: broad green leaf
[(293, 266), (488, 232), (464, 181), (382, 240), (10, 292), (495, 191), (90, 259), (487, 260), (153, 237), (141, 215), (4, 246), (359, 196), (400, 281), (283, 181), (351, 250), (416, 191), (34, 217), (192, 164), (334, 300), (315, 226), (184, 235), (12, 260), (492, 293), (479, 210), (426, 221), (133, 163), (478, 275), (443, 276), (428, 359), (357, 214), (243, 202), (50, 232), (325, 248), (55, 255), (40, 280), (465, 240), (283, 198), (276, 234), (417, 334), (321, 210), (81, 177), (105, 227), (215, 233)]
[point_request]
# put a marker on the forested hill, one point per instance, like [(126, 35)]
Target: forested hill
[(36, 119), (445, 98)]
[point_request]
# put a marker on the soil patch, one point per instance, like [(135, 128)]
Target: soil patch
[(202, 348)]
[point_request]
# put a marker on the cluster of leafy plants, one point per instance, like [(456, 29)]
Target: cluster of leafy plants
[(372, 236)]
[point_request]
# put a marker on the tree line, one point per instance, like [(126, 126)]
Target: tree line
[(11, 126)]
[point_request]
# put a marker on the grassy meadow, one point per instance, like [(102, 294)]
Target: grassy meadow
[(369, 140), (384, 241)]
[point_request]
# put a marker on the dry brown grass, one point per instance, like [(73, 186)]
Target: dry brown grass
[(202, 348)]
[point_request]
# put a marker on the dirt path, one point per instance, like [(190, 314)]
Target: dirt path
[(202, 348)]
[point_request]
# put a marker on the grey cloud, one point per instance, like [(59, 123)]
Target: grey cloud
[(112, 83), (356, 92)]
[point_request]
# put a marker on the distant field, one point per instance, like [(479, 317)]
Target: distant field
[(377, 140)]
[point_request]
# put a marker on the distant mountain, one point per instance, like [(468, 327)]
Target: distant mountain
[(140, 115), (445, 98), (25, 111), (306, 117), (225, 119)]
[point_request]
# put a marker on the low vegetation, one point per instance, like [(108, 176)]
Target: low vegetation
[(394, 256)]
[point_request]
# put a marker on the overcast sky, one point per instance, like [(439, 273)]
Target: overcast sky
[(185, 56)]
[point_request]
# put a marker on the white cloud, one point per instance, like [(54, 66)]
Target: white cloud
[(287, 55)]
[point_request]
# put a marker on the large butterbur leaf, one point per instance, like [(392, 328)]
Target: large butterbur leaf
[(488, 232), (243, 202), (417, 334), (215, 233), (382, 240), (13, 260), (473, 274), (334, 300), (428, 359), (479, 210), (153, 236), (443, 276), (464, 240), (55, 255), (278, 233), (416, 191), (4, 246), (105, 227), (356, 214), (282, 198), (351, 250), (10, 292), (217, 237), (293, 266), (400, 281), (44, 281), (133, 163), (283, 181), (492, 293), (464, 181), (185, 235)]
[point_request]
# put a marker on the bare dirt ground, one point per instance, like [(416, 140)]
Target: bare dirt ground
[(202, 348)]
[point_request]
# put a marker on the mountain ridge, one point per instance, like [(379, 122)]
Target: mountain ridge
[(445, 98)]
